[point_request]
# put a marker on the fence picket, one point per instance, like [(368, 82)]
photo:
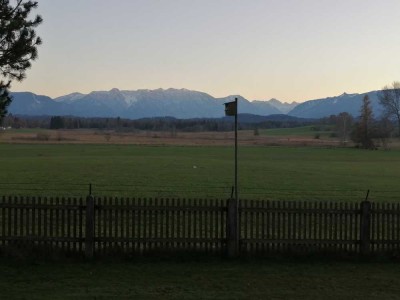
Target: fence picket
[(384, 227), (9, 212), (392, 224), (135, 231), (340, 233), (22, 220), (397, 235), (43, 232), (3, 220)]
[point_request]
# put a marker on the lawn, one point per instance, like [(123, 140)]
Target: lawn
[(302, 173), (288, 173), (304, 131), (213, 279)]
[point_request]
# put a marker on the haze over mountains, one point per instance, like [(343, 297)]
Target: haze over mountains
[(178, 103)]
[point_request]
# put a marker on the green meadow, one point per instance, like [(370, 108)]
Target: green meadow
[(274, 173), (270, 173), (324, 131)]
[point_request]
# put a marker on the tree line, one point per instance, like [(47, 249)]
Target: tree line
[(166, 124), (366, 131)]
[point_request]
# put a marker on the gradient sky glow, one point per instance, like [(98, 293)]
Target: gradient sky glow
[(292, 50)]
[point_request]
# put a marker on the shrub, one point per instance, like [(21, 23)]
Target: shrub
[(42, 136), (107, 136)]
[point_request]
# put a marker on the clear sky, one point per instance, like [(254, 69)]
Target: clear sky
[(292, 50)]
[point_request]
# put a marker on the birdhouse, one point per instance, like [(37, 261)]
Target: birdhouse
[(231, 108)]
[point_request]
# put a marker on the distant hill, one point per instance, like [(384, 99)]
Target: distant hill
[(350, 103), (26, 103), (284, 107), (178, 103)]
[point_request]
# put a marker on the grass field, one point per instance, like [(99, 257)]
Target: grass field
[(199, 280), (275, 173), (304, 131)]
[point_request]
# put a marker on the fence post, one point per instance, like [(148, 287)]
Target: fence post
[(232, 229), (89, 238), (365, 228)]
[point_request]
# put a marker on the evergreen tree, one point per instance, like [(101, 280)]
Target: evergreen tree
[(18, 45), (57, 122), (5, 100)]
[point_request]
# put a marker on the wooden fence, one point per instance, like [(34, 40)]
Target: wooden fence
[(95, 226)]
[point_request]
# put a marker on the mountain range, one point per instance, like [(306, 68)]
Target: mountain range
[(178, 103)]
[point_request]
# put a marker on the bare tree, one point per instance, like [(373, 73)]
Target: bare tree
[(389, 98), (344, 123), (384, 128)]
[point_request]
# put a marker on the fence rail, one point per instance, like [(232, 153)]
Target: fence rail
[(100, 225)]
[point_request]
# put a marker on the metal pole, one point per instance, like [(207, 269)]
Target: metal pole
[(236, 176), (232, 217), (236, 153)]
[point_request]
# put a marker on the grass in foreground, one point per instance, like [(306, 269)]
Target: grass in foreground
[(199, 280)]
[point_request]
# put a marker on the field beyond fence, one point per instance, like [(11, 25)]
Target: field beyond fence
[(265, 173), (100, 226)]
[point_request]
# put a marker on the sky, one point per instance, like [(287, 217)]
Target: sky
[(291, 50)]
